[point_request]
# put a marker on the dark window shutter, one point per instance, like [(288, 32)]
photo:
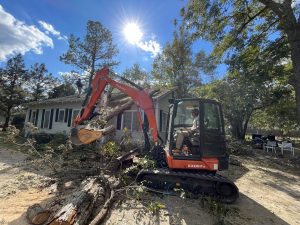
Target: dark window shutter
[(56, 115), (70, 117), (37, 117), (51, 118), (29, 117), (43, 117), (66, 115), (119, 121), (160, 120), (146, 122)]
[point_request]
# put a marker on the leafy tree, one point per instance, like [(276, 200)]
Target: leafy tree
[(281, 115), (137, 75), (62, 90), (65, 86), (12, 93), (251, 84), (175, 66), (226, 23), (92, 52), (40, 81)]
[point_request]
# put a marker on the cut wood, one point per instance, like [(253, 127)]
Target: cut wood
[(37, 215), (78, 207)]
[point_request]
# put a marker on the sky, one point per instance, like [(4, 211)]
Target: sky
[(39, 29)]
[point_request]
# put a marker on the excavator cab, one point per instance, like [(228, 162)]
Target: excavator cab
[(196, 132)]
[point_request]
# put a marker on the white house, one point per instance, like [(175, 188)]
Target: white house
[(56, 115)]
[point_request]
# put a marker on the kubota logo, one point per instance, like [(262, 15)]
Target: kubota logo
[(195, 166)]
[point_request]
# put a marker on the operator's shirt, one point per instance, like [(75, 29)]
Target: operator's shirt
[(195, 124)]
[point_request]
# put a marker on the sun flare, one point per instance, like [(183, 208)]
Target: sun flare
[(133, 33)]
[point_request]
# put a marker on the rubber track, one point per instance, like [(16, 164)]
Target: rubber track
[(210, 179)]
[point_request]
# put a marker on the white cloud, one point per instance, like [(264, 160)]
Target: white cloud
[(49, 29), (151, 46), (295, 3), (18, 37)]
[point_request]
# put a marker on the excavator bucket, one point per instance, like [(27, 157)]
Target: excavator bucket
[(84, 136)]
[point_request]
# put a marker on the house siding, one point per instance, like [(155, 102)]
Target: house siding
[(161, 105), (55, 126)]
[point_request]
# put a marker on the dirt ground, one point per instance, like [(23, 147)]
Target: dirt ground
[(269, 194)]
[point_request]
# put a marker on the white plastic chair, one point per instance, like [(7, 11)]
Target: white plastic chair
[(287, 146), (271, 145)]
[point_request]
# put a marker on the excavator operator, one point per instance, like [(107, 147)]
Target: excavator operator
[(186, 132)]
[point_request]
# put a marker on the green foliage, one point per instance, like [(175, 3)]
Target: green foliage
[(18, 121), (221, 212), (62, 90), (176, 65), (264, 32), (137, 75), (140, 163), (155, 207), (40, 81), (252, 83), (58, 140), (280, 115), (12, 92), (110, 149)]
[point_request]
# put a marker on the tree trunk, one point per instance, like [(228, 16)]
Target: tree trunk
[(79, 206), (294, 39), (237, 129), (6, 123)]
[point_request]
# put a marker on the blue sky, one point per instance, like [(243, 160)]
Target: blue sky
[(39, 29)]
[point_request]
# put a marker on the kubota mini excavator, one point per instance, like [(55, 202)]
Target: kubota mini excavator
[(189, 164)]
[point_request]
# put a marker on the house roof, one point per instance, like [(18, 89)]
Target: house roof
[(115, 98)]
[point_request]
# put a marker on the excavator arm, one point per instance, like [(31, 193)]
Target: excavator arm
[(140, 97)]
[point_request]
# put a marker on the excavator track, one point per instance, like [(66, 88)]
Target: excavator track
[(197, 184)]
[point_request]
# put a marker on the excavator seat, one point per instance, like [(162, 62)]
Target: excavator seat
[(193, 144)]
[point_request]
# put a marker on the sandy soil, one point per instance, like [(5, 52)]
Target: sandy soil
[(269, 194)]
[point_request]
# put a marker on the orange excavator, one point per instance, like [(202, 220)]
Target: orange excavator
[(194, 147)]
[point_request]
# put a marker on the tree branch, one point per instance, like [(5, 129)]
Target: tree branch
[(275, 7), (251, 18)]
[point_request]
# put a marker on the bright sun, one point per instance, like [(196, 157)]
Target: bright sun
[(132, 33)]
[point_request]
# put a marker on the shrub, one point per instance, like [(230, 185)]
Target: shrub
[(58, 140), (18, 121), (42, 138)]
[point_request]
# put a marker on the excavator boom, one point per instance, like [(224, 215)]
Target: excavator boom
[(140, 97)]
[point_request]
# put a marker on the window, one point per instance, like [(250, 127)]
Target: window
[(129, 119), (47, 119), (164, 119), (212, 117), (61, 115), (33, 117), (184, 115)]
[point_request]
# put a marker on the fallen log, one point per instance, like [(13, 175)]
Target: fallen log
[(118, 109), (110, 197), (78, 207), (37, 215)]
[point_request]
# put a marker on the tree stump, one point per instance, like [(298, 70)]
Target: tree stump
[(37, 215)]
